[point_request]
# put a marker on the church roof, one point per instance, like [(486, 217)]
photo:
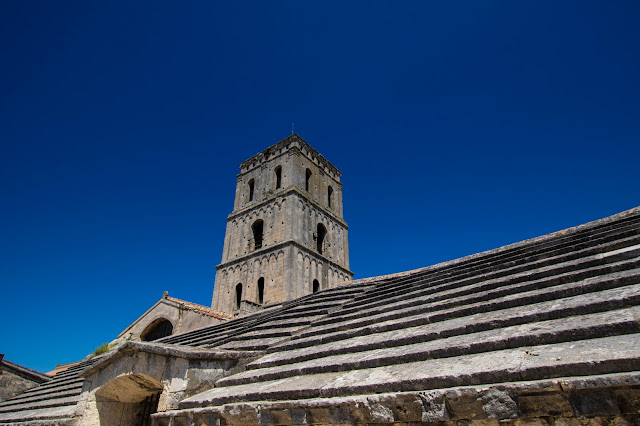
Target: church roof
[(553, 319)]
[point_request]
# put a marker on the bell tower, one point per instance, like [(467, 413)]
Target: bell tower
[(286, 236)]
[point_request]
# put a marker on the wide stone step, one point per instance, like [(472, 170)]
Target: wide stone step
[(384, 335), (482, 266), (519, 272), (274, 331), (52, 387), (487, 292), (320, 305), (544, 332), (465, 295), (586, 357), (287, 322), (252, 344), (51, 413), (24, 397), (45, 403), (303, 314)]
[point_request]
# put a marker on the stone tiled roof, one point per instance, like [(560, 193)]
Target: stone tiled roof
[(505, 326), (545, 327)]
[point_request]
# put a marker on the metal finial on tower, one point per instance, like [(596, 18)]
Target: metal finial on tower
[(291, 129)]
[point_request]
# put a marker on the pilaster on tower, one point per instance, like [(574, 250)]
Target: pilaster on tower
[(286, 236)]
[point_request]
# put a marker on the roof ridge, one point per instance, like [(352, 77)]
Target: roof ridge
[(25, 370), (201, 308), (523, 243)]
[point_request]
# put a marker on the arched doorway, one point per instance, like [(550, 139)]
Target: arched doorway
[(128, 400), (157, 329)]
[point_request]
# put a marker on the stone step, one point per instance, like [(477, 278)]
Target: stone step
[(469, 294), (50, 386), (274, 331), (405, 283), (574, 328), (203, 333), (288, 322), (45, 416), (586, 357), (384, 335), (443, 291), (67, 399), (432, 285), (252, 344), (483, 404), (320, 305), (73, 389)]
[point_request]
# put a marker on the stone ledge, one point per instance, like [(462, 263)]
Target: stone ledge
[(179, 351), (606, 396)]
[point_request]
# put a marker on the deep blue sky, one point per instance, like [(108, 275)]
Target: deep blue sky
[(459, 126)]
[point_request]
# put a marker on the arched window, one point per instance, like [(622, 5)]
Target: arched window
[(238, 295), (316, 285), (251, 187), (257, 228), (156, 330), (307, 180), (322, 232), (278, 177), (261, 290), (329, 196)]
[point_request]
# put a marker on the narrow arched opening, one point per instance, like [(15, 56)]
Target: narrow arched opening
[(316, 285), (320, 234), (252, 185), (261, 290), (238, 295), (307, 180), (278, 177), (329, 197), (257, 228), (159, 328)]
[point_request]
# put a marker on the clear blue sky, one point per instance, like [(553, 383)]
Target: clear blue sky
[(459, 126)]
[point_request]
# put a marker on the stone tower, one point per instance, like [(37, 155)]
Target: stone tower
[(286, 236)]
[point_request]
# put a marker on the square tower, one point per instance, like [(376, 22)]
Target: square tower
[(286, 236)]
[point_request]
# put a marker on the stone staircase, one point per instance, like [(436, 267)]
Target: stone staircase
[(563, 305), (262, 329), (55, 399)]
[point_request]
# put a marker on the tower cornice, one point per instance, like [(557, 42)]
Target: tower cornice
[(288, 243), (287, 191), (293, 142)]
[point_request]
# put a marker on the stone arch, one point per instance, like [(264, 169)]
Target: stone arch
[(161, 327), (128, 400)]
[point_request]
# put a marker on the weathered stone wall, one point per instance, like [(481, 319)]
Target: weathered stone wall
[(11, 384)]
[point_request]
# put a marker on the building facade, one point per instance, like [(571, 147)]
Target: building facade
[(286, 236)]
